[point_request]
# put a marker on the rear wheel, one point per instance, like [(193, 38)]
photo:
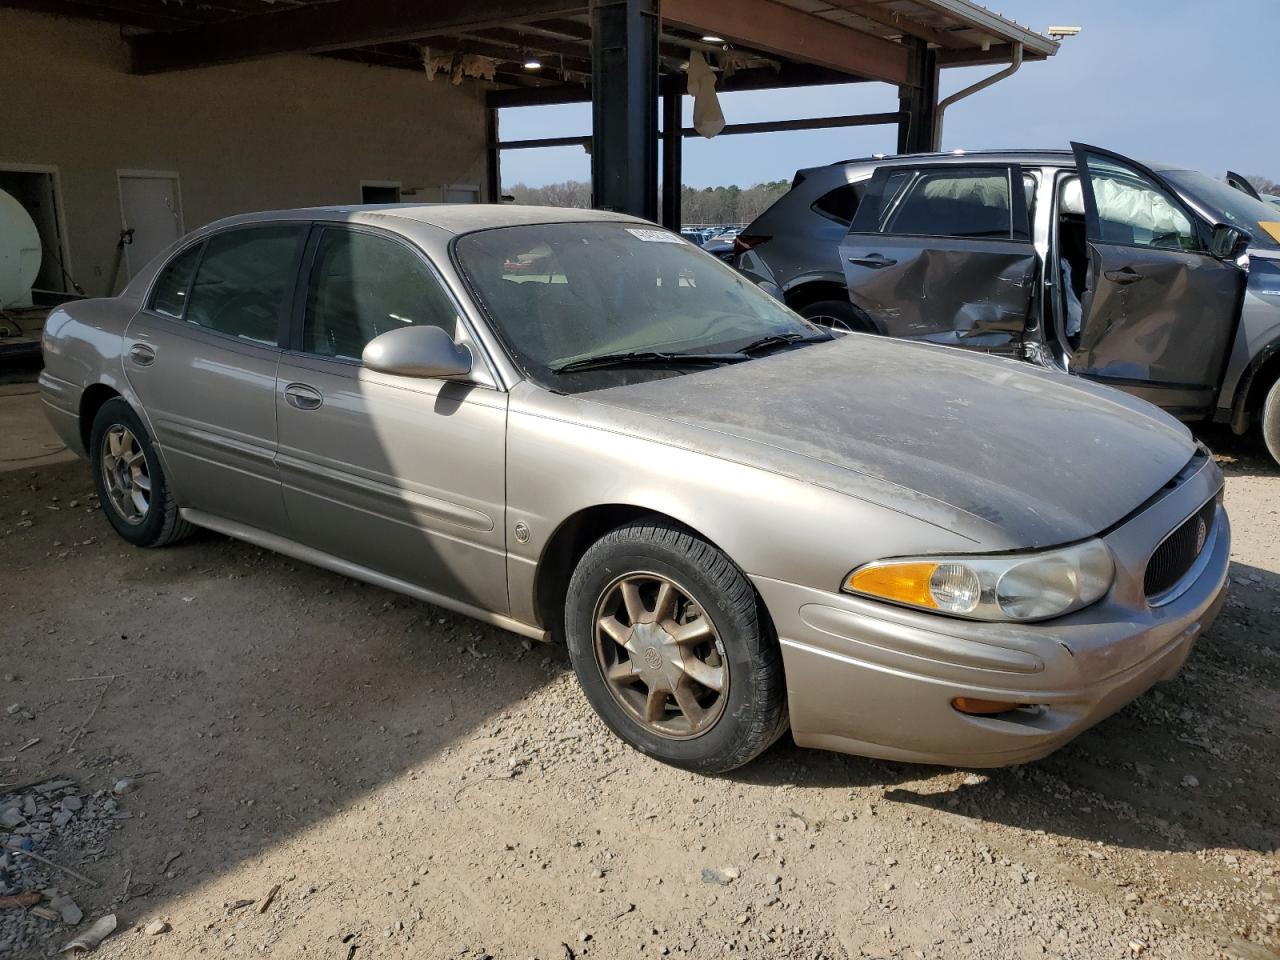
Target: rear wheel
[(837, 315), (131, 484), (1271, 421), (669, 644)]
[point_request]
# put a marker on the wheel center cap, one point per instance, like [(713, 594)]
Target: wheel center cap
[(652, 658)]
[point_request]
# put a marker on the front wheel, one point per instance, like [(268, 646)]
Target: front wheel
[(131, 484), (671, 649), (1271, 421)]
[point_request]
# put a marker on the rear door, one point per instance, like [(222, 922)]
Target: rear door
[(1159, 312), (202, 357), (943, 253)]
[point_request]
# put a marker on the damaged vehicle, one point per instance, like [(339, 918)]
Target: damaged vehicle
[(572, 424), (1161, 281)]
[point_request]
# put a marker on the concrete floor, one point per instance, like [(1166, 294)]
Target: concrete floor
[(26, 439)]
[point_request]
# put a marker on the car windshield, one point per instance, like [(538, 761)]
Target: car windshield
[(1229, 205), (561, 295)]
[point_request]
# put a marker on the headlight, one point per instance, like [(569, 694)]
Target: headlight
[(1021, 586)]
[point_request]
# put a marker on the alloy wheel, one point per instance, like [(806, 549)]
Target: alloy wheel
[(661, 656), (125, 475)]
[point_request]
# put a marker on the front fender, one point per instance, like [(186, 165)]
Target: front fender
[(563, 457)]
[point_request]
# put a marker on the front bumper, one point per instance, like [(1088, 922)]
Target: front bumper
[(871, 679)]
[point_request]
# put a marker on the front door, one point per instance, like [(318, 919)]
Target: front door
[(202, 356), (401, 475), (1159, 312), (151, 211), (943, 253)]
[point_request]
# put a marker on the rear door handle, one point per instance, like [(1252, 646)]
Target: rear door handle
[(875, 261), (142, 354), (1123, 276), (302, 396)]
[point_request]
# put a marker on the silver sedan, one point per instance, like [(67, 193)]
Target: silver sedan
[(578, 426)]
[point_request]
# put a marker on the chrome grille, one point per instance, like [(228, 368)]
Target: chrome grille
[(1175, 556)]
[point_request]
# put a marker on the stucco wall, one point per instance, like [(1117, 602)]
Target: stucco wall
[(285, 132)]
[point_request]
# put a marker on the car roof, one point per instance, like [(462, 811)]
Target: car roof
[(1055, 156), (454, 218)]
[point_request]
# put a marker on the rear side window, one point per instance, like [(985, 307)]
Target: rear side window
[(170, 294), (839, 204), (363, 285), (966, 203), (243, 280)]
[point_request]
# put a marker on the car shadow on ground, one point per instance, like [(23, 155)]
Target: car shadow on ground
[(1188, 766)]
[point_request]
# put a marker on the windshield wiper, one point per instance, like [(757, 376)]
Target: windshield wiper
[(647, 357), (775, 340)]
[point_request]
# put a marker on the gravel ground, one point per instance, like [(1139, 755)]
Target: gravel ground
[(422, 786)]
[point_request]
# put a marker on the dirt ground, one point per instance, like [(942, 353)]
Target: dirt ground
[(423, 786)]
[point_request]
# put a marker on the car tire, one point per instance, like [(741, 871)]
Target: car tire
[(130, 480), (713, 610), (837, 315), (1271, 421)]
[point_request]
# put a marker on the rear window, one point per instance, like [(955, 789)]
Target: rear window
[(839, 204), (961, 202)]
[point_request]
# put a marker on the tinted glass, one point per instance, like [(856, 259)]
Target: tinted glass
[(839, 204), (243, 280), (1134, 211), (362, 285), (170, 293), (562, 292), (958, 203)]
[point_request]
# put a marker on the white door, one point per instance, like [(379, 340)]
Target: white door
[(461, 193), (151, 207)]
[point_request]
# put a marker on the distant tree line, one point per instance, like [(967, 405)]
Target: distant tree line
[(708, 205), (1263, 185)]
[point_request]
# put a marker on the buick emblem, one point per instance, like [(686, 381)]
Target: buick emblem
[(1202, 534)]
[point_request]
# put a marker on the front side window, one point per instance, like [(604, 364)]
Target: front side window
[(1133, 211), (243, 280), (170, 293), (561, 294), (363, 285)]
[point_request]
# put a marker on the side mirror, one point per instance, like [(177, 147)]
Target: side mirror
[(419, 351), (1227, 243)]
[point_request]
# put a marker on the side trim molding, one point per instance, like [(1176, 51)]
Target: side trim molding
[(291, 548)]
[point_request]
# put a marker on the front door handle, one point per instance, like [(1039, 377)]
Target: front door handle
[(1123, 276), (142, 354), (875, 261), (302, 396)]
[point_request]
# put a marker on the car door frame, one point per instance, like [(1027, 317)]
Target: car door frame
[(1166, 394), (1021, 234), (485, 377)]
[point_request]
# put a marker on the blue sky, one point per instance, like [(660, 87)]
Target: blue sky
[(1176, 80)]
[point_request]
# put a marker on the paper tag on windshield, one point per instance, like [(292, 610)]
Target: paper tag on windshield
[(654, 236)]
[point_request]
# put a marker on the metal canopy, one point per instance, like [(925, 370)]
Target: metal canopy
[(617, 53)]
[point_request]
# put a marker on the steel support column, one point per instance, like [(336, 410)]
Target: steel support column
[(492, 157), (624, 106), (673, 85), (918, 99)]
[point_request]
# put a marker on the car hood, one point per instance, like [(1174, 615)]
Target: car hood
[(1044, 457)]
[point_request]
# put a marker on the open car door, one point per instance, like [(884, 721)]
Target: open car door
[(1159, 311), (1242, 184), (942, 252)]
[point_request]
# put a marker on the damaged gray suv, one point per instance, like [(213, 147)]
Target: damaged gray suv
[(1157, 280)]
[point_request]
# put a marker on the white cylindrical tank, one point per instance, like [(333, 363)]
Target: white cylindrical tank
[(19, 253)]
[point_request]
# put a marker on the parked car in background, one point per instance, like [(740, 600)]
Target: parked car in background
[(1158, 280), (720, 246), (735, 519)]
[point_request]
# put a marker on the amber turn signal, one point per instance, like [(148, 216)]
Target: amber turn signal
[(983, 708)]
